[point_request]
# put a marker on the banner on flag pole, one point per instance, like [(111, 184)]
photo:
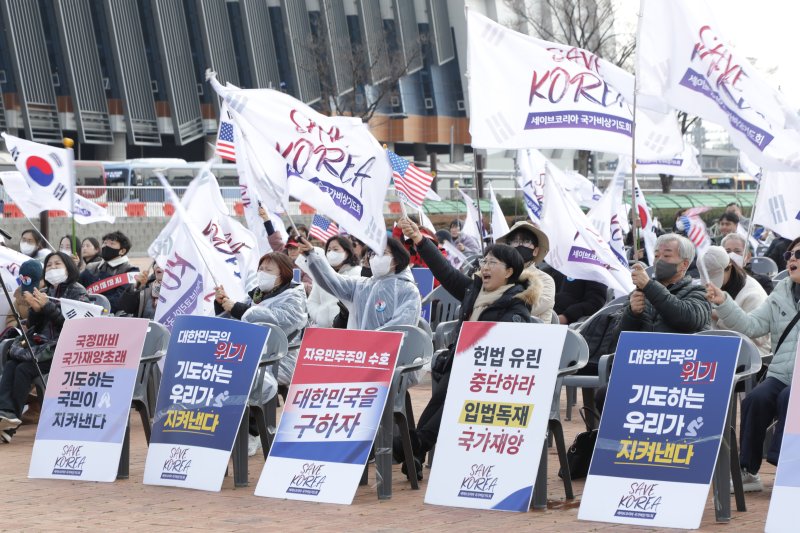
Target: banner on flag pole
[(684, 62), (778, 204), (46, 171), (527, 92), (76, 309), (225, 147)]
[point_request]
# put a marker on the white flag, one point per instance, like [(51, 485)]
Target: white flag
[(333, 164), (579, 186), (47, 171), (425, 222), (576, 249), (76, 309), (471, 228), (499, 224), (682, 164), (605, 216), (454, 256), (87, 212), (778, 204), (749, 167), (684, 62), (234, 245), (10, 261), (531, 181), (192, 269), (527, 92)]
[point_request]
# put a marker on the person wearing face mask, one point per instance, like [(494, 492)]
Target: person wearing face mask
[(669, 303), (779, 317), (501, 291), (532, 245), (44, 326), (33, 245), (65, 245), (389, 297), (323, 307), (731, 278), (108, 277), (739, 252)]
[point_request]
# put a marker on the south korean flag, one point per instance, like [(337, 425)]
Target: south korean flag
[(76, 309)]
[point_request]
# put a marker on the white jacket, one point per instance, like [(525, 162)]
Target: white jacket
[(322, 305), (749, 298)]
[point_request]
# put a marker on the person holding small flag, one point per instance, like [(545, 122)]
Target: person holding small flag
[(323, 307), (45, 321)]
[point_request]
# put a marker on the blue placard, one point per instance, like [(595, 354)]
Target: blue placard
[(666, 407), (208, 372), (424, 279)]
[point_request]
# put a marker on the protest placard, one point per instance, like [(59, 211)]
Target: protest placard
[(331, 416), (661, 429), (786, 491), (208, 373), (88, 399), (495, 416)]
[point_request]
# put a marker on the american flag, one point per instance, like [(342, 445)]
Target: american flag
[(323, 229), (225, 147), (696, 231), (411, 183)]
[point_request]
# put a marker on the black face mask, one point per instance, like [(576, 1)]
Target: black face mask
[(526, 253), (108, 253)]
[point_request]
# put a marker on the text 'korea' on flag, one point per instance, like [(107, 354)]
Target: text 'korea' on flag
[(411, 183), (323, 229)]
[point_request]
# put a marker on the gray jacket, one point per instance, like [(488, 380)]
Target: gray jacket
[(376, 302), (680, 308), (771, 317)]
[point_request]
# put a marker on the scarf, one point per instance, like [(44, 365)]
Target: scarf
[(485, 299)]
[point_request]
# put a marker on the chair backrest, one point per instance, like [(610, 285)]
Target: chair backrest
[(554, 318), (156, 341), (445, 308), (749, 361), (277, 344), (780, 276), (416, 344), (424, 326), (574, 355), (445, 334), (764, 265), (619, 300), (607, 310), (761, 250), (99, 299)]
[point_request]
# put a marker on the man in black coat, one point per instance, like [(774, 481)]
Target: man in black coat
[(576, 298)]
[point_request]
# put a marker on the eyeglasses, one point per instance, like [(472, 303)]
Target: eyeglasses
[(522, 242), (491, 263), (787, 256)]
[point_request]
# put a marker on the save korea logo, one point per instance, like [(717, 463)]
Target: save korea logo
[(177, 465), (70, 462), (479, 483), (309, 481), (640, 501)]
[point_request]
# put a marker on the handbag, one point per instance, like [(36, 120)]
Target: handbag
[(579, 454), (42, 348)]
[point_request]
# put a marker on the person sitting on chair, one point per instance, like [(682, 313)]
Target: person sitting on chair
[(107, 277)]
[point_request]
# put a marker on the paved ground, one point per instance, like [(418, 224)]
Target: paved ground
[(55, 505)]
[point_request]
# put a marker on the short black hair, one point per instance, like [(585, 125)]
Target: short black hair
[(36, 236), (72, 269), (509, 256), (347, 246), (730, 217), (456, 223), (95, 242), (443, 235), (401, 256), (118, 236)]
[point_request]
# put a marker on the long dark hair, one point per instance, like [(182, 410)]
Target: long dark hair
[(72, 270), (347, 246)]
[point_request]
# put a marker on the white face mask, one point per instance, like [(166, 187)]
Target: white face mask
[(56, 276), (380, 265), (27, 248), (266, 281), (737, 258), (67, 251), (335, 258)]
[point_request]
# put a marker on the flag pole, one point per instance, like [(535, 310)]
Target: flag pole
[(37, 230), (753, 212), (68, 144), (635, 209), (477, 198)]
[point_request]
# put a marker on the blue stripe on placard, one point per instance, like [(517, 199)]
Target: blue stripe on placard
[(354, 452)]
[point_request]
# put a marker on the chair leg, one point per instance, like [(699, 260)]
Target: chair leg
[(558, 436), (540, 485), (123, 469), (408, 451), (571, 392), (722, 475), (263, 430), (383, 452), (240, 475), (736, 473), (588, 401), (410, 413), (365, 475), (271, 416), (144, 414), (430, 456)]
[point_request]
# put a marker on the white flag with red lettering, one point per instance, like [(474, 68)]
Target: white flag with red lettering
[(684, 62)]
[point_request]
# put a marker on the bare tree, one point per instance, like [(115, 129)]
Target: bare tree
[(372, 77), (587, 24), (686, 121)]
